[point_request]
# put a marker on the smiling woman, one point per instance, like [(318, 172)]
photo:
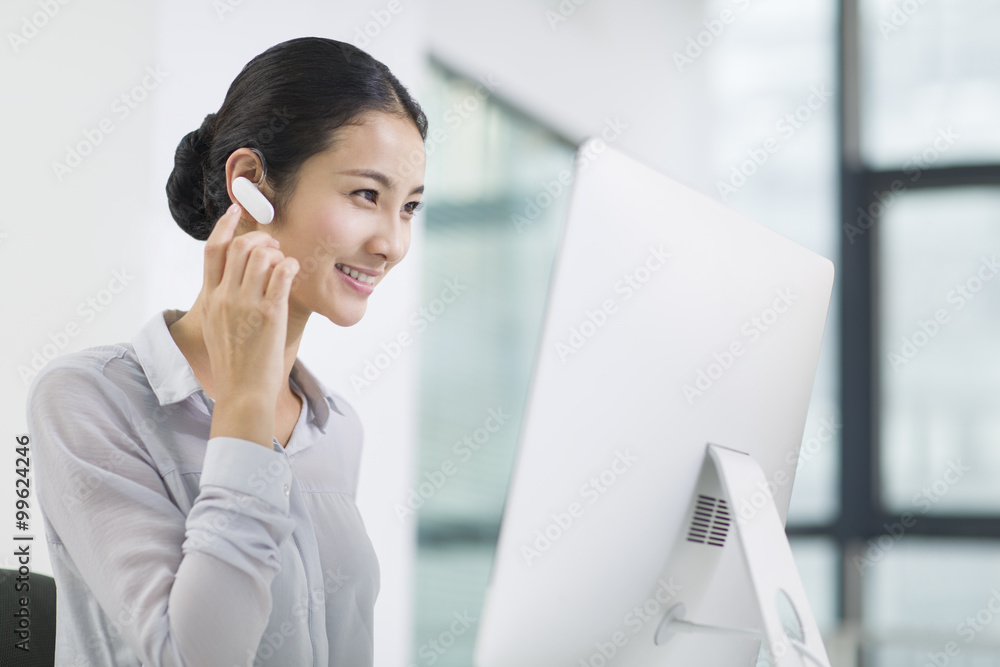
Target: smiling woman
[(173, 469)]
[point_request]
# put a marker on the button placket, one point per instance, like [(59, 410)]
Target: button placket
[(278, 446)]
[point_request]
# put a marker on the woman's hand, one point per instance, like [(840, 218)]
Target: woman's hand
[(244, 323)]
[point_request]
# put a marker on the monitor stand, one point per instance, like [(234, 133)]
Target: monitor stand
[(731, 479)]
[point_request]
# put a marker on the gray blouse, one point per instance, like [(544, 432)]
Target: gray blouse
[(170, 548)]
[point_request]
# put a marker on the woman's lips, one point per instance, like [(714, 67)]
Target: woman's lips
[(361, 283)]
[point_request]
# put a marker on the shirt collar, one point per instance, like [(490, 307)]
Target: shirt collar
[(172, 379)]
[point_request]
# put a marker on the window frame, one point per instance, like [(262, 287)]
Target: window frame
[(862, 514)]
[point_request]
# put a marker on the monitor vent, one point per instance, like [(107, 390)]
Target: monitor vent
[(710, 522)]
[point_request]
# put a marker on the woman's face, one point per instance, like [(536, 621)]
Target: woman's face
[(350, 211)]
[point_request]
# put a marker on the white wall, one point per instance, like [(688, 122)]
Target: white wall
[(61, 241), (575, 64), (65, 235)]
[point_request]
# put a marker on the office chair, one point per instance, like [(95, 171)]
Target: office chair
[(41, 610)]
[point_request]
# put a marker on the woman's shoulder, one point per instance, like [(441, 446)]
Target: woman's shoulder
[(86, 378), (81, 410)]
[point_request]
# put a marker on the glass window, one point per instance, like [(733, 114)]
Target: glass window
[(817, 560), (930, 82), (495, 205), (451, 584), (488, 210), (918, 612), (940, 358), (772, 81)]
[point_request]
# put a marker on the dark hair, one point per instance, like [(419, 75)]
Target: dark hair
[(288, 102)]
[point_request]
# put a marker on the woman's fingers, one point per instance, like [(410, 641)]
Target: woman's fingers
[(217, 244), (280, 283), (238, 254), (247, 281), (261, 260)]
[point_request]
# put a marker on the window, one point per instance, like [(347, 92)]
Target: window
[(492, 229), (772, 81), (888, 162), (920, 164)]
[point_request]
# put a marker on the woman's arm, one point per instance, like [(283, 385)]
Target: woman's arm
[(187, 591)]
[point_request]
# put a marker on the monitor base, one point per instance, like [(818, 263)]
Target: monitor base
[(732, 479)]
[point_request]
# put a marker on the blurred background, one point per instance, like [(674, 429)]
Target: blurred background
[(882, 122)]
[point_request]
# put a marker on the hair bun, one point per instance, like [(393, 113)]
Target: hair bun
[(206, 131), (186, 184)]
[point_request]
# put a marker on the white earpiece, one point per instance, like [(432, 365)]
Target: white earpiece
[(253, 200)]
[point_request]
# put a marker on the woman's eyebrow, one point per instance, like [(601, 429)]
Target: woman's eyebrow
[(380, 178)]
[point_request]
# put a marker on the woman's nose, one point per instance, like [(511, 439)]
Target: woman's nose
[(390, 241)]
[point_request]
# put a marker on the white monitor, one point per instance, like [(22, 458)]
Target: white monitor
[(658, 447)]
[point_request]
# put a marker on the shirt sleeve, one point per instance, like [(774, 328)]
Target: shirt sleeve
[(187, 590)]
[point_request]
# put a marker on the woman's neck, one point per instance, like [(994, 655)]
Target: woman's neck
[(187, 334)]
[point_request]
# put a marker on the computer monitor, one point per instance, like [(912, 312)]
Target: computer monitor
[(644, 521)]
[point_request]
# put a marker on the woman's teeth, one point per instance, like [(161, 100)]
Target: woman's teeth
[(357, 275)]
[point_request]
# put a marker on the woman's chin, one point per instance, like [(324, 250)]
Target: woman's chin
[(347, 317)]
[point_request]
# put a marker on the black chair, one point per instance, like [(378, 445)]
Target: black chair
[(40, 610)]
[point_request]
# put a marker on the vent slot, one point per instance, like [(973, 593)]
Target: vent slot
[(710, 522)]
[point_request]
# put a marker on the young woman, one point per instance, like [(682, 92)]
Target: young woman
[(198, 483)]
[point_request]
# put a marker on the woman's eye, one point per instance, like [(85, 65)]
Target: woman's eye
[(370, 195), (413, 207)]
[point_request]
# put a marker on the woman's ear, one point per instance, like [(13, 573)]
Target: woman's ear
[(252, 200), (244, 170)]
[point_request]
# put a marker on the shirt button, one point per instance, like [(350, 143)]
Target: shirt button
[(286, 489)]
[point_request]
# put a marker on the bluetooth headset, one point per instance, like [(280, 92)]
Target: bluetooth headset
[(251, 198)]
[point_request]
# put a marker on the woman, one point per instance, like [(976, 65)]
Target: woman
[(198, 483)]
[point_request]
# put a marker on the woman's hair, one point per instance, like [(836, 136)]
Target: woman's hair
[(288, 103)]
